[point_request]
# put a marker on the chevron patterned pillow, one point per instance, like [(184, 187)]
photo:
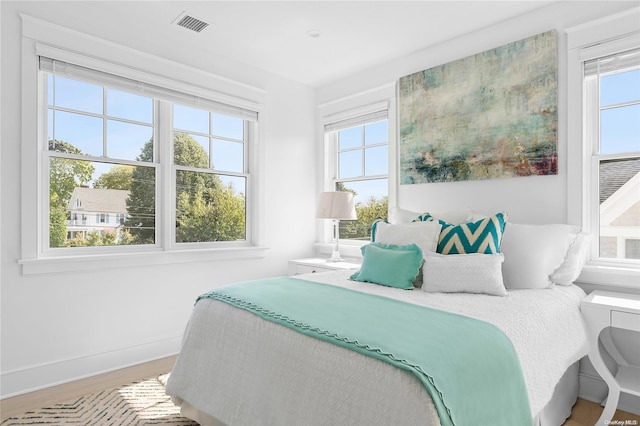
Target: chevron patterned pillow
[(482, 236)]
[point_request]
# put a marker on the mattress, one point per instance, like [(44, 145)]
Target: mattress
[(235, 368)]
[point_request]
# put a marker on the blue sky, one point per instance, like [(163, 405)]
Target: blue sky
[(620, 126), (354, 162), (125, 139)]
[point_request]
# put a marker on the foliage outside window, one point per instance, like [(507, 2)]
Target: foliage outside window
[(361, 155), (108, 180), (612, 117)]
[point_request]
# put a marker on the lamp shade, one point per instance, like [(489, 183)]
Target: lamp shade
[(336, 205)]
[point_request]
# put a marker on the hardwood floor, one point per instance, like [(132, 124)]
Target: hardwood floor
[(586, 413), (42, 398)]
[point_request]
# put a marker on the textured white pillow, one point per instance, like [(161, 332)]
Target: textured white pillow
[(454, 217), (570, 269), (532, 253), (463, 273), (423, 234)]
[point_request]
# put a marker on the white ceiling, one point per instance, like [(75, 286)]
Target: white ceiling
[(272, 35)]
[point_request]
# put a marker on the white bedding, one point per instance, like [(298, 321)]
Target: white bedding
[(231, 364)]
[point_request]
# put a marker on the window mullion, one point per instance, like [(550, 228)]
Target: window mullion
[(363, 150), (165, 175), (105, 122)]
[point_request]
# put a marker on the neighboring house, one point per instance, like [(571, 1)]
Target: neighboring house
[(620, 209), (93, 209)]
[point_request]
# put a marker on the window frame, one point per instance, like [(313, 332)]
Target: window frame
[(44, 39), (595, 39), (332, 137), (165, 190), (342, 110), (592, 139)]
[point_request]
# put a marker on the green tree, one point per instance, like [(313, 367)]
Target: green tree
[(64, 176), (141, 203), (57, 221), (119, 177), (367, 213), (206, 209)]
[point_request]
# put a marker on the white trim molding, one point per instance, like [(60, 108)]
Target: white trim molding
[(37, 377), (43, 38)]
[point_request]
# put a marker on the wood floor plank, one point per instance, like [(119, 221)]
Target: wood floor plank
[(20, 404), (584, 413), (587, 413)]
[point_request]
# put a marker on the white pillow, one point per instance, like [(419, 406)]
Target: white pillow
[(454, 217), (423, 234), (532, 253), (463, 273), (570, 269)]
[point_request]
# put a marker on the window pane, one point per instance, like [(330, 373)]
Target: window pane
[(75, 94), (126, 140), (100, 204), (129, 106), (209, 207), (371, 203), (81, 131), (620, 130), (632, 249), (376, 160), (228, 127), (191, 150), (228, 156), (619, 88), (619, 206), (190, 119), (376, 133), (350, 164), (350, 138)]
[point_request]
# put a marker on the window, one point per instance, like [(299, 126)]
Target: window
[(359, 149), (171, 168), (611, 89)]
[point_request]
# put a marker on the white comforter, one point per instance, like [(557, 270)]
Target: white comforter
[(244, 370)]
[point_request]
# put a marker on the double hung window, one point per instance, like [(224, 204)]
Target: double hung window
[(144, 166), (359, 148), (611, 94)]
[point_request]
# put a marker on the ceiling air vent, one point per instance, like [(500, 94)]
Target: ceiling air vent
[(191, 23)]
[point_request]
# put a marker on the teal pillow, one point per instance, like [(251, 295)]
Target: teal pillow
[(482, 236), (390, 265)]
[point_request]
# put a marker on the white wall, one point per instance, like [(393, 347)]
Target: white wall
[(526, 199), (60, 327), (534, 200)]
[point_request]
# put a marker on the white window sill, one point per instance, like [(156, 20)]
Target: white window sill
[(48, 265), (349, 249), (621, 277)]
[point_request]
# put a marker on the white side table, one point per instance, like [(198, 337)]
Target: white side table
[(602, 309), (317, 264)]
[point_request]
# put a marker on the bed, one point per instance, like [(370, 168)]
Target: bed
[(238, 368)]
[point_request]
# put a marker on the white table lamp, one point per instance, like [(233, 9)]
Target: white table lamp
[(337, 205)]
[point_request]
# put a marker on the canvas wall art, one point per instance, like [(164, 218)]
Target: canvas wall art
[(490, 115)]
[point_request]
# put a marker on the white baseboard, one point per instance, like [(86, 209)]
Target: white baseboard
[(30, 379), (593, 388)]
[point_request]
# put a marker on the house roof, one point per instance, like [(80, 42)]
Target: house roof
[(614, 174), (98, 200)]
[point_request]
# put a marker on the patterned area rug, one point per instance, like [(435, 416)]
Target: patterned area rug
[(137, 404)]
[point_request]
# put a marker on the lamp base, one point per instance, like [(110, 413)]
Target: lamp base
[(335, 257)]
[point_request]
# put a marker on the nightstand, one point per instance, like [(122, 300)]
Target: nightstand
[(316, 264), (602, 309)]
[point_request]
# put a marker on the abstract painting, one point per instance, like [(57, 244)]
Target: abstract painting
[(487, 116)]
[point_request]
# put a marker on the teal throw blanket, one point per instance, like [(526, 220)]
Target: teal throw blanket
[(469, 367)]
